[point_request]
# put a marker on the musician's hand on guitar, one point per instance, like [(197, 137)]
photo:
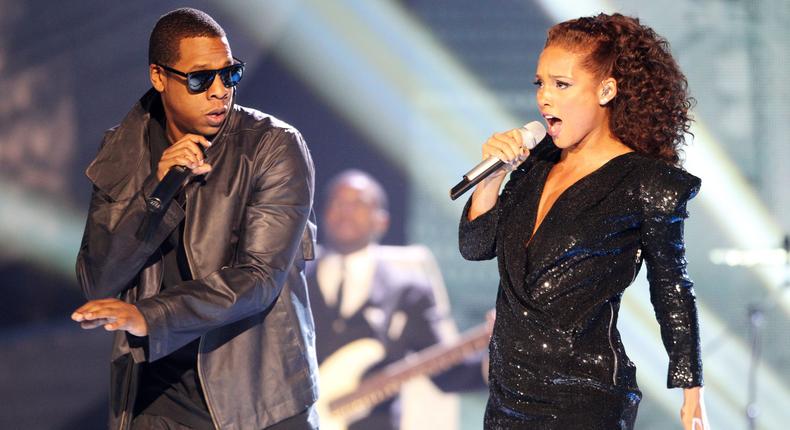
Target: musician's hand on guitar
[(490, 320)]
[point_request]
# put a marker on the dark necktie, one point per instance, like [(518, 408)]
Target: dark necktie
[(339, 324)]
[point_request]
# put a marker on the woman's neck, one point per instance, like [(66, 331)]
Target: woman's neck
[(598, 147)]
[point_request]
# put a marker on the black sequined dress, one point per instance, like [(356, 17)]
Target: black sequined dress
[(557, 361)]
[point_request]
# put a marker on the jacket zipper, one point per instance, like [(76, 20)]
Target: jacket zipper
[(192, 272), (130, 375), (125, 413), (130, 372), (611, 345), (192, 275)]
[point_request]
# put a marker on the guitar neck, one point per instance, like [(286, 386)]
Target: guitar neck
[(387, 383)]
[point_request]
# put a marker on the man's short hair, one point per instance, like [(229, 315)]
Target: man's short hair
[(363, 180), (175, 25)]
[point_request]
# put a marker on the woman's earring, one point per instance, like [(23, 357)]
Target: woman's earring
[(603, 99)]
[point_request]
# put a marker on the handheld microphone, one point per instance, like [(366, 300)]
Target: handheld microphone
[(156, 203), (167, 188), (531, 134)]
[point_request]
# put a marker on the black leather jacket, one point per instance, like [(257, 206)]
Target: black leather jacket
[(248, 231)]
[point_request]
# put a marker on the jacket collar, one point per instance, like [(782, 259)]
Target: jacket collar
[(123, 161), (118, 169)]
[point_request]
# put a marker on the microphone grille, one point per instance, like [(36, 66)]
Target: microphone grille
[(532, 133)]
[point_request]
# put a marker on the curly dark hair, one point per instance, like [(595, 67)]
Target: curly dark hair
[(175, 25), (650, 113)]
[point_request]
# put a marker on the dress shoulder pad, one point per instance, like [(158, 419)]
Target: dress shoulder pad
[(666, 189)]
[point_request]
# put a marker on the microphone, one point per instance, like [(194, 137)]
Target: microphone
[(531, 134), (167, 188)]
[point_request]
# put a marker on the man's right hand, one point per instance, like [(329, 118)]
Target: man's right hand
[(185, 152)]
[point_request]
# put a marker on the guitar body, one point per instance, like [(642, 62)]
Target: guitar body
[(344, 397), (341, 373)]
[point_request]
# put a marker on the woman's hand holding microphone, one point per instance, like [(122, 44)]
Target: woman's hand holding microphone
[(508, 146)]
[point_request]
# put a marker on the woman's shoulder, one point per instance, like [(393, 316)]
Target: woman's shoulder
[(663, 186)]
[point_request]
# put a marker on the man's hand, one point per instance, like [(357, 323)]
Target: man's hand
[(113, 314), (187, 153), (490, 321)]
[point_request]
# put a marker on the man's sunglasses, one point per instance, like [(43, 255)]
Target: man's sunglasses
[(201, 80)]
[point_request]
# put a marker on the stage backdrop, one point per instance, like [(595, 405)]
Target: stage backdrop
[(406, 90)]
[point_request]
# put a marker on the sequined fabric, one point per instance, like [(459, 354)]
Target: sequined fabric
[(557, 361)]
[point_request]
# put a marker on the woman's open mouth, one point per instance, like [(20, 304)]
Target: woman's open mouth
[(555, 125)]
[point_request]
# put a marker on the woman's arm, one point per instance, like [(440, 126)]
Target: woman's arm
[(479, 220), (665, 195), (508, 147), (693, 414)]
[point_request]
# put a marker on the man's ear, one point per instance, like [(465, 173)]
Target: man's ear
[(382, 223), (156, 74)]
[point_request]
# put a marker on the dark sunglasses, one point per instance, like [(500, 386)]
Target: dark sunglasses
[(201, 80)]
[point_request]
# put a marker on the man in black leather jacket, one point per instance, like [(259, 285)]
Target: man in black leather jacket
[(207, 298)]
